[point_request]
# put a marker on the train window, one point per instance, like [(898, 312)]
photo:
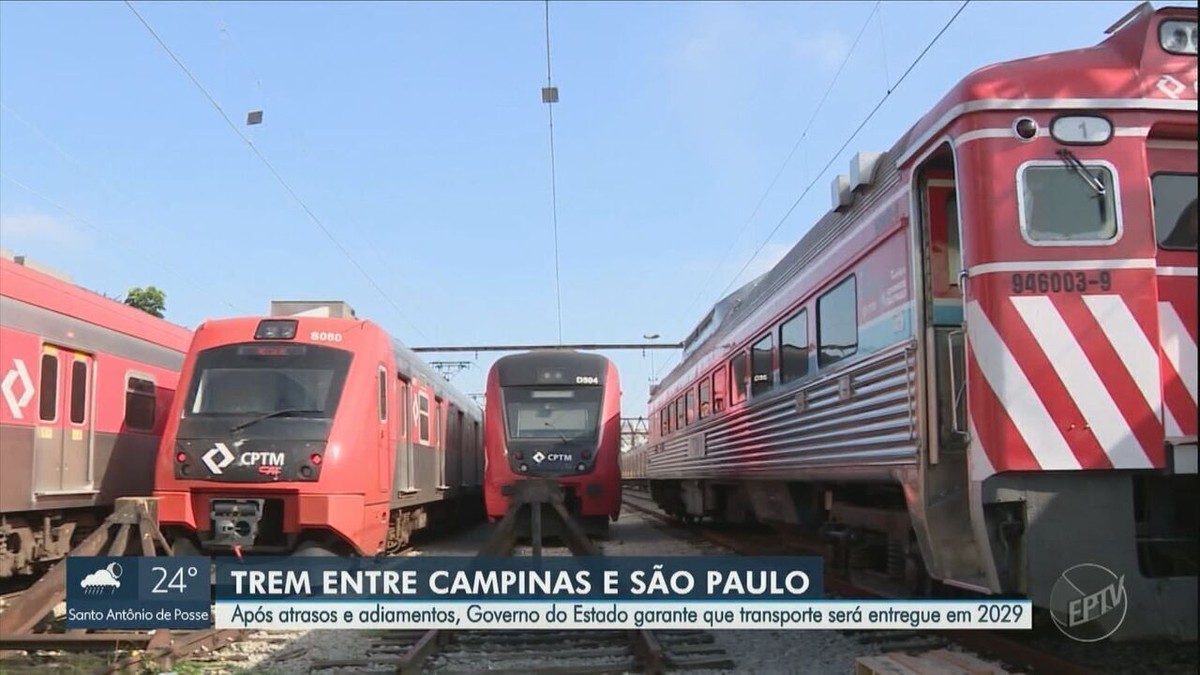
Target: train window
[(664, 423), (737, 369), (79, 372), (705, 398), (1066, 202), (690, 407), (48, 402), (1175, 210), (140, 396), (793, 348), (718, 385), (423, 418), (761, 366), (383, 402), (680, 415), (837, 323)]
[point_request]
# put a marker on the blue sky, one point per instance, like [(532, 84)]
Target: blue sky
[(417, 135)]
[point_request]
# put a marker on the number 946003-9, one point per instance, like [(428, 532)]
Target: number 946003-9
[(1060, 282)]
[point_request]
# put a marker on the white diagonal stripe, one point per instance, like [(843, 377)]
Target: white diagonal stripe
[(1082, 383), (981, 466), (1131, 344), (1178, 346), (1017, 394), (1171, 427)]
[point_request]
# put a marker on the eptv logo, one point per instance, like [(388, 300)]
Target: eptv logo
[(1088, 602)]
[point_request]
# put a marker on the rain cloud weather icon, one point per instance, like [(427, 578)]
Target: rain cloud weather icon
[(107, 578)]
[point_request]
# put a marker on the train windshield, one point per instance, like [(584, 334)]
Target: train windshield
[(540, 413), (268, 379)]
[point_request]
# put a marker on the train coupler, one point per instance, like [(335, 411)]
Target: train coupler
[(236, 522)]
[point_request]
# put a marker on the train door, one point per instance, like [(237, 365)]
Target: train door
[(406, 430), (461, 450), (383, 451), (439, 444), (454, 451), (950, 547), (476, 453), (63, 446)]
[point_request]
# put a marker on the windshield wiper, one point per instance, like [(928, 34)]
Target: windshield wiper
[(277, 413), (1075, 164), (555, 430)]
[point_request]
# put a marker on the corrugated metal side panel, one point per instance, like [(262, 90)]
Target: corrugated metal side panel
[(876, 426)]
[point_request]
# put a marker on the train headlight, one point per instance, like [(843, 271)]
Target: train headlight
[(581, 467), (524, 468), (1178, 37)]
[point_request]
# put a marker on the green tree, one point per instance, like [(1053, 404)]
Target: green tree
[(149, 299)]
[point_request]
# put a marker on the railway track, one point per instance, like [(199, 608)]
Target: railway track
[(572, 651), (540, 652), (991, 643)]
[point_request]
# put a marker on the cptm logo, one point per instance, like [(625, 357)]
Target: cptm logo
[(1088, 602)]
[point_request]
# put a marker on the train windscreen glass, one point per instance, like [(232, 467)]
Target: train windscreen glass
[(300, 381), (553, 414)]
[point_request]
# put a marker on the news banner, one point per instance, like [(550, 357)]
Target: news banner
[(742, 593)]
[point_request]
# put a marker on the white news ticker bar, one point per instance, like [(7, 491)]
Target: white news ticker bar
[(621, 615)]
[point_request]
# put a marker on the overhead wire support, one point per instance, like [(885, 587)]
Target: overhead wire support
[(270, 167), (550, 97)]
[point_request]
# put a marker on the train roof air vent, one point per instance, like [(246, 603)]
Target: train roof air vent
[(862, 169), (840, 193), (24, 261), (330, 309)]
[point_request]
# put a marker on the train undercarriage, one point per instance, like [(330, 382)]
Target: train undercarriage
[(31, 543), (1039, 526)]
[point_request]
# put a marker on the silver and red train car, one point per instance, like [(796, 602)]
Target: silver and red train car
[(86, 384), (555, 413), (980, 366), (313, 432)]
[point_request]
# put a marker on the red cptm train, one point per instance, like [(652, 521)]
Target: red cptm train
[(555, 414), (85, 386), (313, 434), (980, 366)]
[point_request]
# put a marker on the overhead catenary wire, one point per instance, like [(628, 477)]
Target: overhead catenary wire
[(271, 168), (119, 239), (833, 158), (847, 142), (786, 161), (553, 180), (351, 228)]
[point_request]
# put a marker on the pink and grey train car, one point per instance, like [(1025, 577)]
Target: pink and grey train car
[(85, 387)]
